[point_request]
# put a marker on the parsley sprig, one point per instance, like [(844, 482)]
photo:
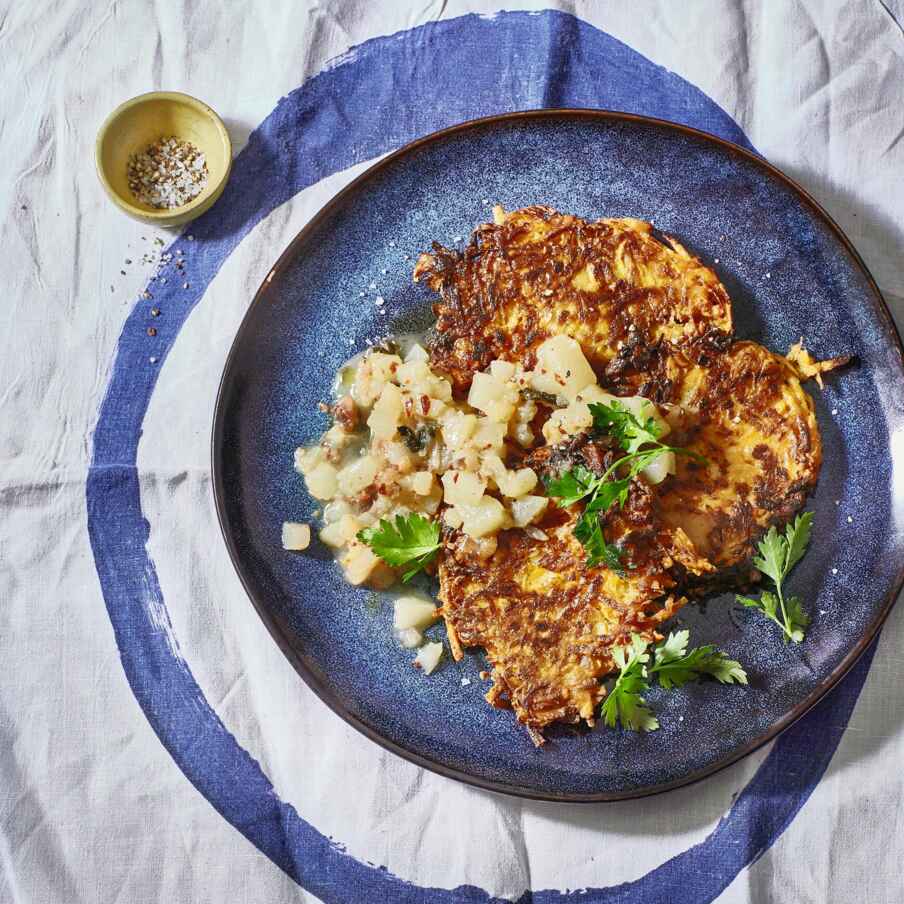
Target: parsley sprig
[(673, 666), (778, 554), (640, 440), (412, 540)]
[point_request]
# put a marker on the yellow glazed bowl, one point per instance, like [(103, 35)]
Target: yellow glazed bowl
[(132, 126)]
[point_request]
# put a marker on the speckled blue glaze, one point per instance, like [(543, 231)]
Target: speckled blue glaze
[(789, 273)]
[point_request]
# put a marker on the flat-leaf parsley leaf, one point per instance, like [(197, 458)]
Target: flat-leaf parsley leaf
[(669, 662), (580, 482), (625, 702), (674, 666), (412, 540), (778, 554)]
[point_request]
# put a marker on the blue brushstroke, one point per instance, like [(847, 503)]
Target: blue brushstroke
[(385, 93)]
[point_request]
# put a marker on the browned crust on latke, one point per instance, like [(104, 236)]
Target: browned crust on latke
[(611, 282)]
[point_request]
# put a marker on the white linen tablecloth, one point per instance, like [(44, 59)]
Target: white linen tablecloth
[(92, 806)]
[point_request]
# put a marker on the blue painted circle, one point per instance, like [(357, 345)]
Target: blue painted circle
[(554, 59)]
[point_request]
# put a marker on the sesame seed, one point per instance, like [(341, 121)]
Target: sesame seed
[(152, 359), (768, 276), (834, 571), (716, 260), (850, 520), (834, 411), (185, 285)]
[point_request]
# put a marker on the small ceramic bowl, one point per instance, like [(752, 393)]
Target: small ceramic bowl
[(132, 126)]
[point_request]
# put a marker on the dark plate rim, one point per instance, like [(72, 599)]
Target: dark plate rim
[(321, 689)]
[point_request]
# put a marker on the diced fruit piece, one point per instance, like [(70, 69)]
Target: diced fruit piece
[(321, 481), (358, 475), (409, 638), (295, 536), (452, 517), (528, 509), (660, 468), (428, 657), (333, 511), (489, 434), (341, 531), (386, 414), (361, 566), (374, 372), (416, 353), (415, 375), (336, 437), (518, 483), (493, 396), (593, 393), (486, 517), (502, 370), (420, 482), (568, 421), (413, 612), (462, 488), (510, 483), (562, 368), (308, 459), (458, 428), (398, 455)]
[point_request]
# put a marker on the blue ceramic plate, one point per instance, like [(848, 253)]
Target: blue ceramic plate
[(790, 273)]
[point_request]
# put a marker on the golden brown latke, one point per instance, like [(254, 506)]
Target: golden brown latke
[(549, 623), (540, 273), (653, 321)]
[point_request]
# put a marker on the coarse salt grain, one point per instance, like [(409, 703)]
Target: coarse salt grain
[(850, 520)]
